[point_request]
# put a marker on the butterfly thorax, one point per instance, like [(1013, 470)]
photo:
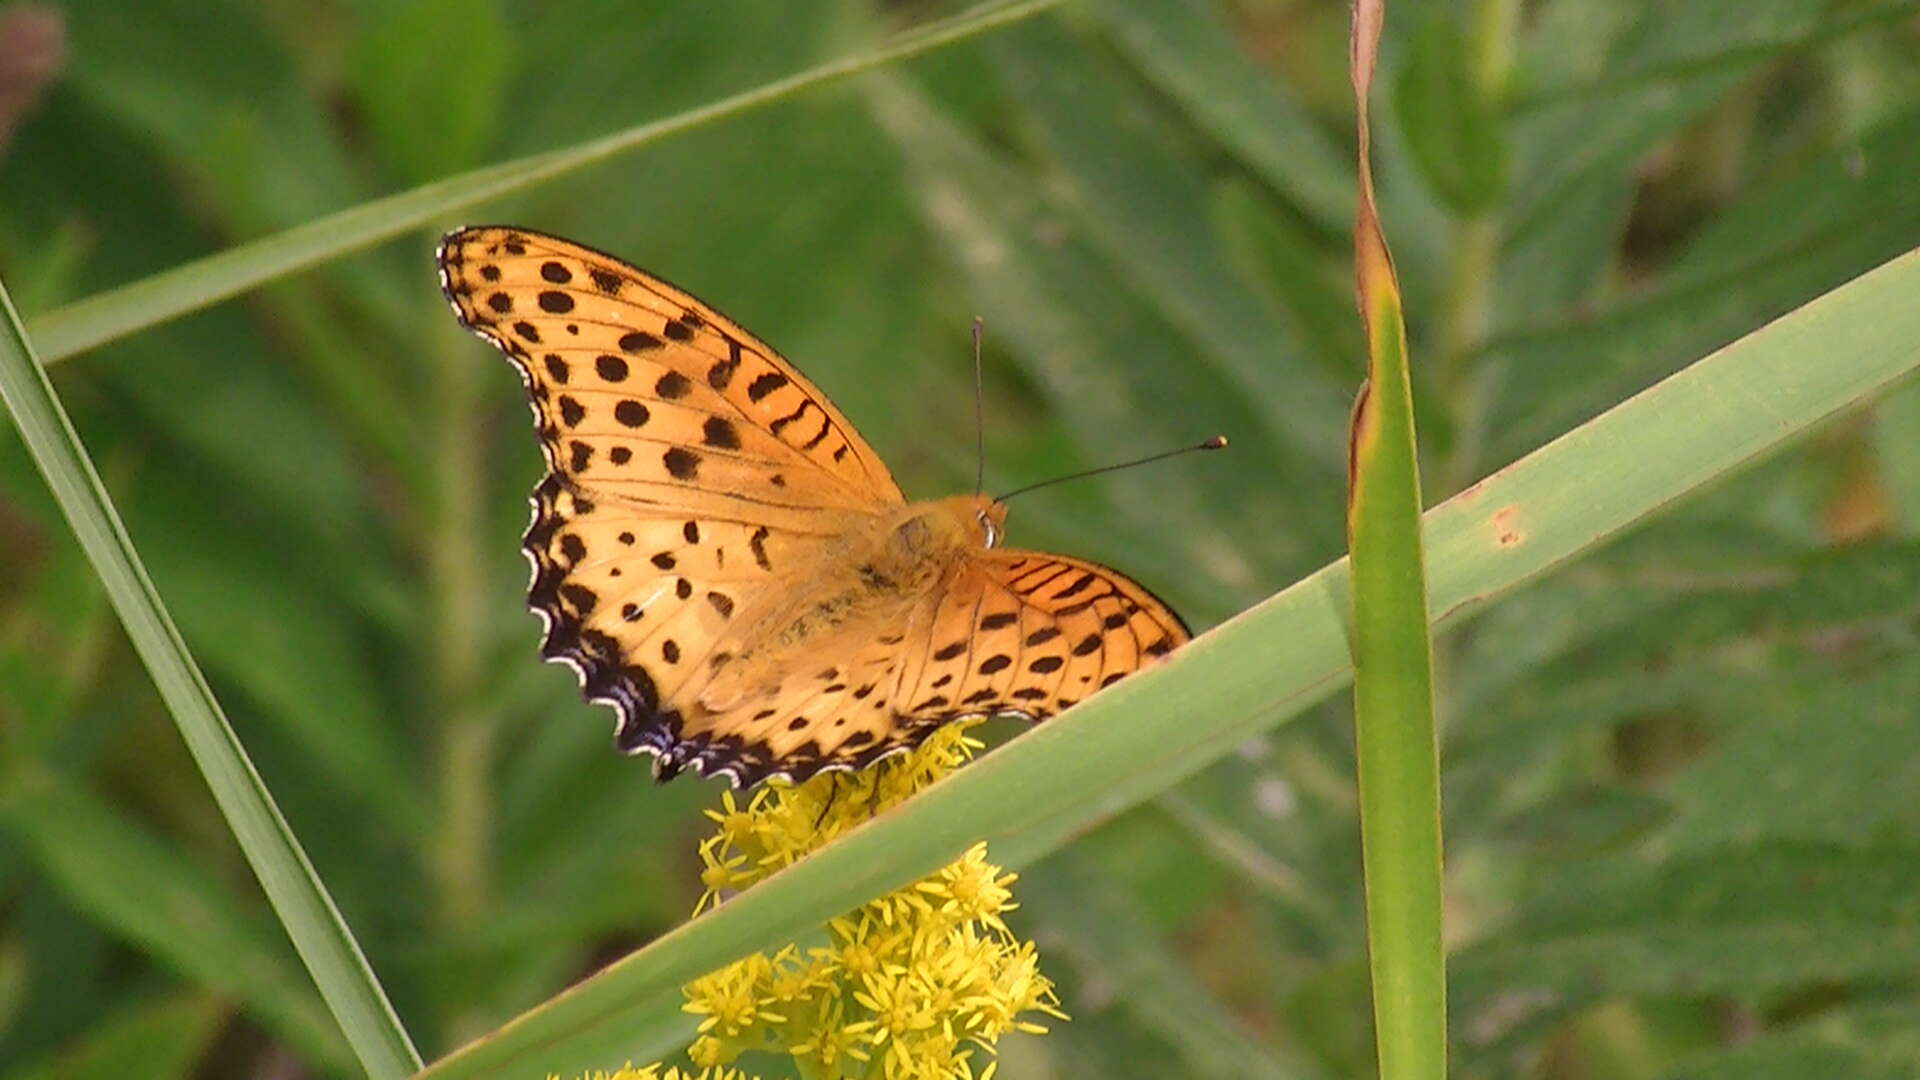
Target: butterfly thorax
[(877, 572)]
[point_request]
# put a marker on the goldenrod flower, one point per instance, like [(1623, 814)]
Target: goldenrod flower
[(911, 985), (832, 1048), (972, 888), (654, 1072), (729, 998)]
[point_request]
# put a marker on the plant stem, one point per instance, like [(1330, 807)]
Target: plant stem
[(460, 855), (1491, 30)]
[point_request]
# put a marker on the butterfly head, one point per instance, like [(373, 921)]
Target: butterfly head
[(974, 520), (989, 519)]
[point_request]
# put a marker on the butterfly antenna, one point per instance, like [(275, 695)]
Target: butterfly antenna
[(1215, 443), (979, 414)]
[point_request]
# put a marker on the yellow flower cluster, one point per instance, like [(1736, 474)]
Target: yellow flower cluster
[(653, 1072), (908, 986)]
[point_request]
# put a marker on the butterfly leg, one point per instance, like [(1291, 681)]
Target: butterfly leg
[(833, 792)]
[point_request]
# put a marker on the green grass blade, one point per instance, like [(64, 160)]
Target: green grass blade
[(153, 1036), (1102, 932), (318, 932), (1185, 50), (151, 894), (84, 324), (1148, 733), (1396, 747), (1134, 190)]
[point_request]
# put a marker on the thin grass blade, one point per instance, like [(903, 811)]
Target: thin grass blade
[(328, 948), (1398, 756), (88, 323)]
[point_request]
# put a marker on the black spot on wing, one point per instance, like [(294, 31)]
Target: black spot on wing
[(720, 433), (758, 543), (765, 384), (681, 463)]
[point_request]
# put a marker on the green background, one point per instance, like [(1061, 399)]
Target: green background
[(1679, 774)]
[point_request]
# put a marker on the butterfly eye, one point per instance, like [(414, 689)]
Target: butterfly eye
[(986, 526)]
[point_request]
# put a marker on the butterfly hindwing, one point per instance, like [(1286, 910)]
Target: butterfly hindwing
[(1012, 632), (1031, 634), (633, 600)]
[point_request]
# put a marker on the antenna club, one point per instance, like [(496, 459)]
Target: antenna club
[(1218, 442)]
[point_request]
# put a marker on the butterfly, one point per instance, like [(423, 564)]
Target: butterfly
[(719, 555)]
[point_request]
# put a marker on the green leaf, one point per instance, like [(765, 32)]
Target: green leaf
[(1851, 207), (1774, 774), (129, 881), (1871, 1041), (1745, 920), (1316, 291), (1183, 47), (158, 1039), (1453, 132), (1896, 439), (1661, 71), (433, 110), (1101, 934), (1139, 195), (1582, 821)]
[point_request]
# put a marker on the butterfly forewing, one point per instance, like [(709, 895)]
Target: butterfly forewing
[(641, 390)]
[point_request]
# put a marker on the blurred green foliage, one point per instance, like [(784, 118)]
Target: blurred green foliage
[(1682, 835)]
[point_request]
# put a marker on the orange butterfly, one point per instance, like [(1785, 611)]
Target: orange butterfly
[(720, 557)]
